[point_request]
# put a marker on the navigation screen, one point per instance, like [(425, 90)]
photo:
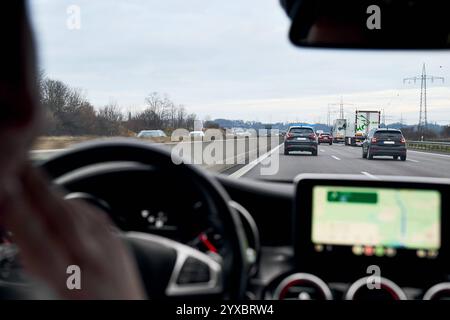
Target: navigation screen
[(396, 218)]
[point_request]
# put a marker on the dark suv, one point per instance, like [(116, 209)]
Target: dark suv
[(384, 142), (301, 139)]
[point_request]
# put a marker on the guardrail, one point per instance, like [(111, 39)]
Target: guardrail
[(244, 154), (429, 146)]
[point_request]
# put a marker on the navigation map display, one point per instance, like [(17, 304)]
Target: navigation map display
[(396, 218)]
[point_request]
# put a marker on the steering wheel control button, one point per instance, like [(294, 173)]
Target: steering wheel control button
[(440, 291), (303, 286), (365, 289), (193, 271)]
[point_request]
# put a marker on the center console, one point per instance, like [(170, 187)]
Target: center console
[(361, 239)]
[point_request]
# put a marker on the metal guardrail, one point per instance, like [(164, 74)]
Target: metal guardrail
[(429, 145)]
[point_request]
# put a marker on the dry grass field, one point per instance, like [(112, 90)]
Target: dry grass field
[(62, 142)]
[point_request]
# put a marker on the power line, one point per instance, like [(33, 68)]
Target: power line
[(328, 116), (330, 113), (423, 112), (385, 117), (341, 105)]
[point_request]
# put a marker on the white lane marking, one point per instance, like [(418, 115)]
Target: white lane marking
[(370, 175), (239, 173), (334, 157), (321, 150), (412, 160), (431, 154)]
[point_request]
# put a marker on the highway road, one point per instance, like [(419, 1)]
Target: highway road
[(345, 159), (331, 159), (248, 150)]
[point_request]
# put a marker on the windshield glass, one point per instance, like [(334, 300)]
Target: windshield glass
[(226, 69)]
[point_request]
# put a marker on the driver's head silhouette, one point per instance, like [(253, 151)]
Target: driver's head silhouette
[(51, 233), (19, 107)]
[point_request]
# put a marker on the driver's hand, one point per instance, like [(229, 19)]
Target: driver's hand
[(53, 233)]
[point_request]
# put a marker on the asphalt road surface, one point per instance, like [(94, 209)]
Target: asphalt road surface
[(348, 160)]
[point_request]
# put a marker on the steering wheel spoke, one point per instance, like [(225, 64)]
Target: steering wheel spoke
[(192, 272)]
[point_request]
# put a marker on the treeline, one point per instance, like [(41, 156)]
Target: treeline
[(434, 131), (68, 112), (160, 113), (413, 133)]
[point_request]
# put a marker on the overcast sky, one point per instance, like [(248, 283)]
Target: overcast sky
[(224, 59)]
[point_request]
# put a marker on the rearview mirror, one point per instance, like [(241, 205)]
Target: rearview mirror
[(375, 24)]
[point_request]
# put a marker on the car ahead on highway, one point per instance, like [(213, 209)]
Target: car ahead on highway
[(325, 137), (301, 139), (151, 134), (384, 142), (241, 133), (197, 134)]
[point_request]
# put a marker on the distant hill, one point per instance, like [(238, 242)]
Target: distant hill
[(225, 123), (431, 127)]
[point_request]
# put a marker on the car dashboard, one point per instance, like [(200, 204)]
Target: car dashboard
[(276, 218), (287, 261)]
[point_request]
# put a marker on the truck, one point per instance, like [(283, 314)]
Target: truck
[(359, 127), (339, 128)]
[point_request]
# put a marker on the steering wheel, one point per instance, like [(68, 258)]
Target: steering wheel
[(168, 268)]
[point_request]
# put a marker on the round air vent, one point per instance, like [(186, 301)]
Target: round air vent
[(303, 286), (440, 291), (388, 290)]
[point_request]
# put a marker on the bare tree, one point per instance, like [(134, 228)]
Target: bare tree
[(109, 120), (68, 112)]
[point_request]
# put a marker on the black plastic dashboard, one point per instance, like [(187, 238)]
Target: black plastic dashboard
[(270, 204)]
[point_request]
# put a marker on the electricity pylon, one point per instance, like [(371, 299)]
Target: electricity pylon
[(423, 112)]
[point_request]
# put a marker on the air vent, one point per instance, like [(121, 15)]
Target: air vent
[(387, 290), (440, 291), (303, 286)]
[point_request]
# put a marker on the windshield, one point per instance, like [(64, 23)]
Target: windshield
[(224, 71)]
